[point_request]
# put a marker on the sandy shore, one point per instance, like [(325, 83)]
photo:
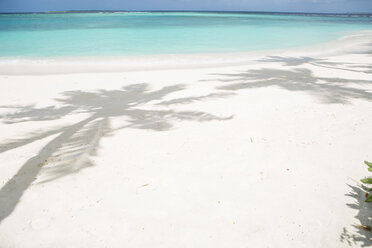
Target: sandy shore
[(258, 154)]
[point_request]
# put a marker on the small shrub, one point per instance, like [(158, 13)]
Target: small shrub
[(368, 180)]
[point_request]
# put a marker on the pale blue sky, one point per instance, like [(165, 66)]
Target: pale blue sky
[(238, 5)]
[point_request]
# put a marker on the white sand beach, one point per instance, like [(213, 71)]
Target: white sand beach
[(261, 151)]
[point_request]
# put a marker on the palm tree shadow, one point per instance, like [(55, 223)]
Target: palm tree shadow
[(364, 217), (302, 60), (71, 147), (327, 89)]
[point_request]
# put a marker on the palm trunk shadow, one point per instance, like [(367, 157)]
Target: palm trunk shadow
[(32, 137), (72, 147), (12, 191)]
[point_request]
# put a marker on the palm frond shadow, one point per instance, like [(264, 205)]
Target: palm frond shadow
[(364, 217), (327, 89), (301, 60), (71, 148)]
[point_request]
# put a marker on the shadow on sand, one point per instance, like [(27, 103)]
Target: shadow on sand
[(296, 61), (327, 89), (364, 217), (365, 49), (70, 147)]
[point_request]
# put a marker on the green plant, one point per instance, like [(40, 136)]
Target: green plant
[(368, 180)]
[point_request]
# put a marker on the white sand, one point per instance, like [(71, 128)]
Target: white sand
[(253, 155)]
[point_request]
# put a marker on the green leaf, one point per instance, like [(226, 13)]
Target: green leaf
[(367, 180), (369, 198), (370, 169), (368, 163)]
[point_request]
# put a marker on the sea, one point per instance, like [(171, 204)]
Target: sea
[(122, 33)]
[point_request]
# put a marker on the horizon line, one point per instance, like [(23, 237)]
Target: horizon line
[(216, 11)]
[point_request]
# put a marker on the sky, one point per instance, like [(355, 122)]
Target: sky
[(328, 6)]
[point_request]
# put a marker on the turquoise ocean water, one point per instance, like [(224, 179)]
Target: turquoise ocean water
[(124, 33)]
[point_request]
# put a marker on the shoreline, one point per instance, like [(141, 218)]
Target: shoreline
[(355, 42), (256, 154)]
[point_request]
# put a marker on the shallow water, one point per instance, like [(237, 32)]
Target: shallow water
[(150, 33)]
